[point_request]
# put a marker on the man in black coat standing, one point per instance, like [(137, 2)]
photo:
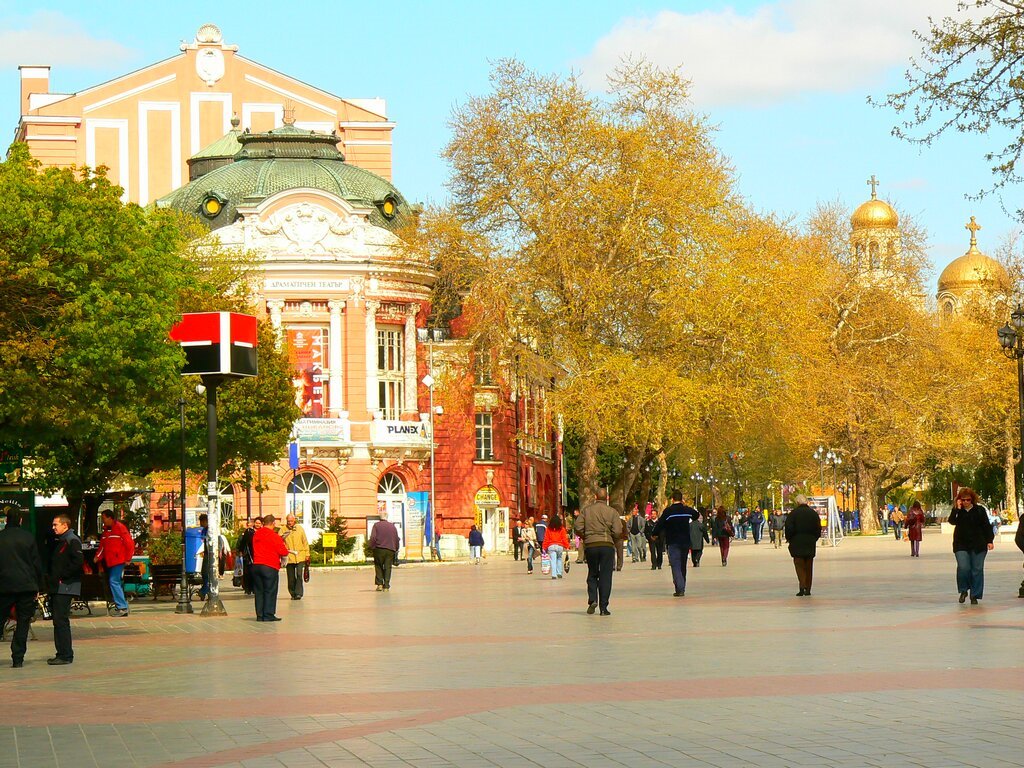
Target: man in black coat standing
[(803, 529), (64, 582), (21, 579)]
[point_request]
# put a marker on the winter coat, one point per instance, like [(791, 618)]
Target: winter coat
[(529, 537), (803, 529), (698, 533), (599, 525), (66, 561), (718, 528), (476, 538), (116, 545), (674, 524), (915, 525), (972, 532), (21, 567), (295, 538)]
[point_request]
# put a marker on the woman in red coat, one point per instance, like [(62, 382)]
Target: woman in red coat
[(915, 528)]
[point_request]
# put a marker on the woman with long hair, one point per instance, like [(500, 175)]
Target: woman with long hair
[(972, 539), (722, 530), (556, 543), (915, 528)]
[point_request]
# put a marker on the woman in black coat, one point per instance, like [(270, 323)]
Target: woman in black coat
[(803, 529), (972, 539)]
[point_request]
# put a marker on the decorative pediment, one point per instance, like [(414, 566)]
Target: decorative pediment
[(306, 229)]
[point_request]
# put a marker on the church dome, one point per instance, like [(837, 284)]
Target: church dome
[(974, 270), (874, 213), (278, 160)]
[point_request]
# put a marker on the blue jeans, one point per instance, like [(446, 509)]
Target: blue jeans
[(677, 560), (970, 572), (116, 579), (556, 552), (530, 552)]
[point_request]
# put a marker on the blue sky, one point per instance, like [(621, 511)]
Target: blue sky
[(784, 81)]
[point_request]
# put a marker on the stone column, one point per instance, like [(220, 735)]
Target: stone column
[(411, 406), (334, 401), (372, 394), (276, 306)]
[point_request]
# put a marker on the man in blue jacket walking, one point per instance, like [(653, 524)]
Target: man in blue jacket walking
[(674, 527)]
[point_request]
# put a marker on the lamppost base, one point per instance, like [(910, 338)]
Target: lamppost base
[(183, 607), (213, 607)]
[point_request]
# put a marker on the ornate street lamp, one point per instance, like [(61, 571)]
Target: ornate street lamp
[(819, 456), (697, 478)]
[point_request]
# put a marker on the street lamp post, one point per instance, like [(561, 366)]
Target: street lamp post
[(711, 488), (430, 335), (1011, 339), (819, 456), (834, 459), (184, 599), (696, 477)]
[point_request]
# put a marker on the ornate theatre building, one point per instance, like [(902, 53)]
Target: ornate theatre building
[(302, 178)]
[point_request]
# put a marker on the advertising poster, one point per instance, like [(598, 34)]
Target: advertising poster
[(307, 352)]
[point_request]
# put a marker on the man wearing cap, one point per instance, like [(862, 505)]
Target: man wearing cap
[(599, 525)]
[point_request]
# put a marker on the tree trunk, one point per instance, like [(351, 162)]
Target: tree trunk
[(659, 498), (588, 468), (870, 499)]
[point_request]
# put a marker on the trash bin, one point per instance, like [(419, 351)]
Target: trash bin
[(193, 546)]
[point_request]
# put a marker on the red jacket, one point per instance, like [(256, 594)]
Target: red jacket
[(555, 537), (116, 545), (268, 548)]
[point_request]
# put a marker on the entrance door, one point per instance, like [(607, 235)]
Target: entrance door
[(391, 497), (309, 499)]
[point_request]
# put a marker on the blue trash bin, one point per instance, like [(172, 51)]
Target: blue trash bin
[(193, 544)]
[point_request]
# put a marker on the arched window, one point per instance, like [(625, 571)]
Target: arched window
[(308, 499), (874, 262), (947, 308)]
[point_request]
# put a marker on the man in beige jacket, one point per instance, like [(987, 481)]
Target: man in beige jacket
[(600, 526), (294, 536)]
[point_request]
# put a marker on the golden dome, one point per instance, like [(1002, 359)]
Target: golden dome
[(874, 213), (974, 270)]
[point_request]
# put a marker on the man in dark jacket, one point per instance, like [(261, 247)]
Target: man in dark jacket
[(803, 529), (517, 540), (656, 545), (384, 543), (21, 579), (674, 526), (63, 582)]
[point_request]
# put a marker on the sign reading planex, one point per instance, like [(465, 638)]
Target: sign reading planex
[(217, 343)]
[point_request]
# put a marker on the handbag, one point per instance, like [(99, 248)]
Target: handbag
[(545, 563), (305, 572), (236, 578)]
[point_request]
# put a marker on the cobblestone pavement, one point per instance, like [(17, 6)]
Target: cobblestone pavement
[(462, 665)]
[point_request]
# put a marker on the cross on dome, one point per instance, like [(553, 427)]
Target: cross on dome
[(873, 182), (973, 227)]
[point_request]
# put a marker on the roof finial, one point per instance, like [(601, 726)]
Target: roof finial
[(874, 183), (288, 116), (973, 227), (235, 122)]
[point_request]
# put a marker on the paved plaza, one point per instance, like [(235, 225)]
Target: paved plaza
[(479, 666)]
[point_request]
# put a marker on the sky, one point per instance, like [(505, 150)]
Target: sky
[(784, 82)]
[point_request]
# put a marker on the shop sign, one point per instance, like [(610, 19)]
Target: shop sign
[(322, 430), (487, 496), (392, 432)]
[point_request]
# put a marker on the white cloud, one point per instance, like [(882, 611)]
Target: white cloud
[(778, 51), (51, 38)]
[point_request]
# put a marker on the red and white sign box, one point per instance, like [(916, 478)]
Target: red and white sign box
[(217, 343)]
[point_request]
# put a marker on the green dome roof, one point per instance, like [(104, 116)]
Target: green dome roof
[(282, 159)]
